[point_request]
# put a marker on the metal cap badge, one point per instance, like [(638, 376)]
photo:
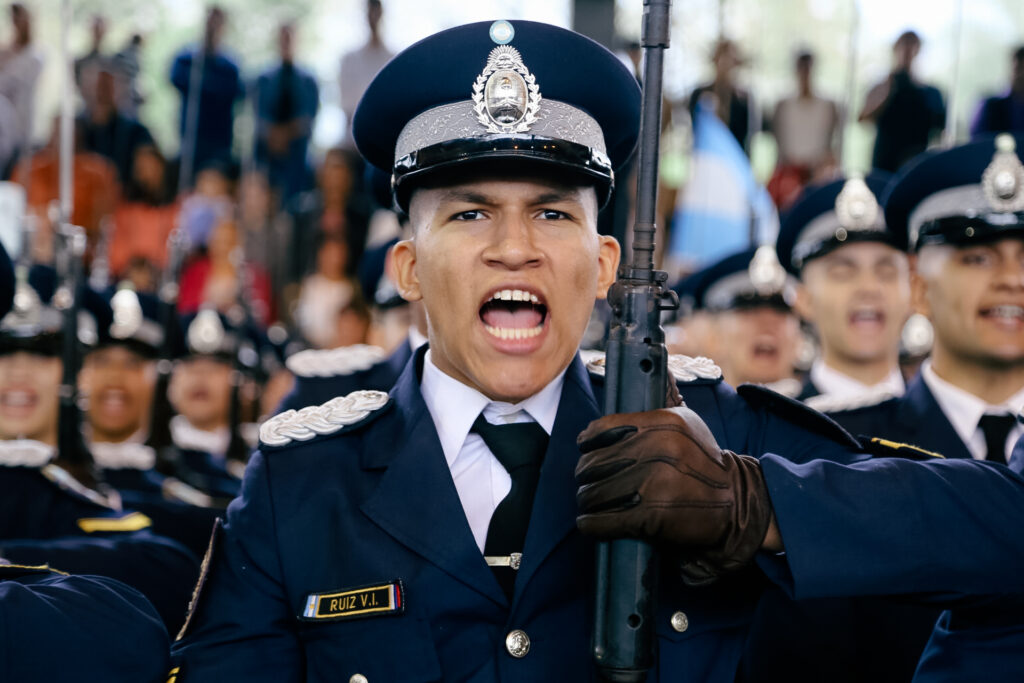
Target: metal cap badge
[(506, 97), (856, 207), (1003, 179), (766, 273), (206, 333), (128, 315)]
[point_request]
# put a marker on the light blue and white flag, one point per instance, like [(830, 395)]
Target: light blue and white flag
[(722, 207)]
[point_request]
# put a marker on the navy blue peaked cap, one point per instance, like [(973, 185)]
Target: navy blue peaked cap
[(813, 227), (969, 194), (586, 94), (726, 285), (131, 319)]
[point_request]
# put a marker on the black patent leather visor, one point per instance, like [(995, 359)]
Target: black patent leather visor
[(581, 164), (965, 230)]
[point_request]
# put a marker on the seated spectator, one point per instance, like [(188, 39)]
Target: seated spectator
[(146, 215), (94, 185), (214, 279), (338, 207), (107, 131), (210, 203), (324, 293)]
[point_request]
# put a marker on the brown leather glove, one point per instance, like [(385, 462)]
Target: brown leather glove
[(660, 476)]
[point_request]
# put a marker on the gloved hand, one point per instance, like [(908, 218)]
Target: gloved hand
[(660, 476)]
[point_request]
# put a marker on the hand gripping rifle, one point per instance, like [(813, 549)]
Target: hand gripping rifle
[(635, 377)]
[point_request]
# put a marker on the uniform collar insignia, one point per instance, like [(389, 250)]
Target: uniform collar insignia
[(506, 97), (856, 207), (126, 455), (25, 453), (1003, 179)]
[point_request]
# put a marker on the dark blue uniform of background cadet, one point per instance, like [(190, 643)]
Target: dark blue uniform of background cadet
[(374, 503)]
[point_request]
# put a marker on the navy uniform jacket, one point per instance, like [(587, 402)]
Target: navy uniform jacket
[(808, 390), (314, 391), (60, 628), (978, 640), (375, 505), (45, 522), (872, 639), (178, 511), (203, 471)]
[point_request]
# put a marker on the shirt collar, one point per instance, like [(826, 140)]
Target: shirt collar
[(189, 437), (963, 409), (830, 381), (455, 406), (416, 338)]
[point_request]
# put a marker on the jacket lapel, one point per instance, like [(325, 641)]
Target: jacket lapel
[(922, 420), (554, 508), (416, 501)]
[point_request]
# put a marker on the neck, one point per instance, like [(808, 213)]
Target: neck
[(103, 436), (868, 372), (992, 382)]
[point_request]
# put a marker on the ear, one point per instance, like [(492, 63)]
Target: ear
[(608, 256), (403, 265), (802, 304)]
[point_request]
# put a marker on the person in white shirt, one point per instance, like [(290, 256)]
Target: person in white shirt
[(20, 66), (854, 288), (360, 66)]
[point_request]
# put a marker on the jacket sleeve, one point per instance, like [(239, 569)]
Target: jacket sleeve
[(159, 568), (102, 629), (944, 531), (240, 626)]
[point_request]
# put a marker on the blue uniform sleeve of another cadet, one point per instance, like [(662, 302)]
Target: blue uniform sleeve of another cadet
[(940, 529), (968, 645), (159, 568), (240, 625), (58, 629)]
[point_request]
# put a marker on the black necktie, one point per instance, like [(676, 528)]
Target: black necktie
[(520, 449), (996, 428)]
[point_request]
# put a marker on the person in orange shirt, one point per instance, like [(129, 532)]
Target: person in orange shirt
[(95, 190), (146, 216)]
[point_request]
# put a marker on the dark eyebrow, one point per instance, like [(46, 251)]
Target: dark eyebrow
[(467, 196), (556, 196)]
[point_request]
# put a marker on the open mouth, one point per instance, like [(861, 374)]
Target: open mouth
[(514, 314), (18, 401), (867, 316), (113, 400), (1004, 314), (765, 349)]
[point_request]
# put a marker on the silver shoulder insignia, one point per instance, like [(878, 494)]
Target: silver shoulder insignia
[(25, 453), (123, 456), (683, 368), (834, 403), (343, 360), (788, 387), (303, 425)]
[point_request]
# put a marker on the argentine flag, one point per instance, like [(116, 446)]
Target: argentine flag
[(722, 208)]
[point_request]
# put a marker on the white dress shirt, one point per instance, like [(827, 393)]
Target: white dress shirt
[(963, 410), (480, 479), (831, 382)]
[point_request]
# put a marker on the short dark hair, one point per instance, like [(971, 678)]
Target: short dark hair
[(1018, 54), (804, 58), (908, 36)]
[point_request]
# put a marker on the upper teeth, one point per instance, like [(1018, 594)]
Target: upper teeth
[(1008, 311), (515, 295)]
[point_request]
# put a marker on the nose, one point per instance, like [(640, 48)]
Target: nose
[(1010, 275), (513, 244)]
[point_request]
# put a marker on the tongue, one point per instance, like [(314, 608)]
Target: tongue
[(521, 317)]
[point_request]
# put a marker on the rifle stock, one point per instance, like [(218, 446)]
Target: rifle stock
[(636, 373)]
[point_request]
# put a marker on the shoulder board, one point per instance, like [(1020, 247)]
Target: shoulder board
[(16, 570), (177, 490), (132, 521), (343, 360), (837, 403), (883, 448), (123, 456), (683, 368), (63, 480), (352, 411), (787, 387), (796, 412), (25, 453)]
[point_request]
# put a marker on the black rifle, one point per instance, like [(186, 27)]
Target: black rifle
[(71, 242), (636, 376), (161, 412)]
